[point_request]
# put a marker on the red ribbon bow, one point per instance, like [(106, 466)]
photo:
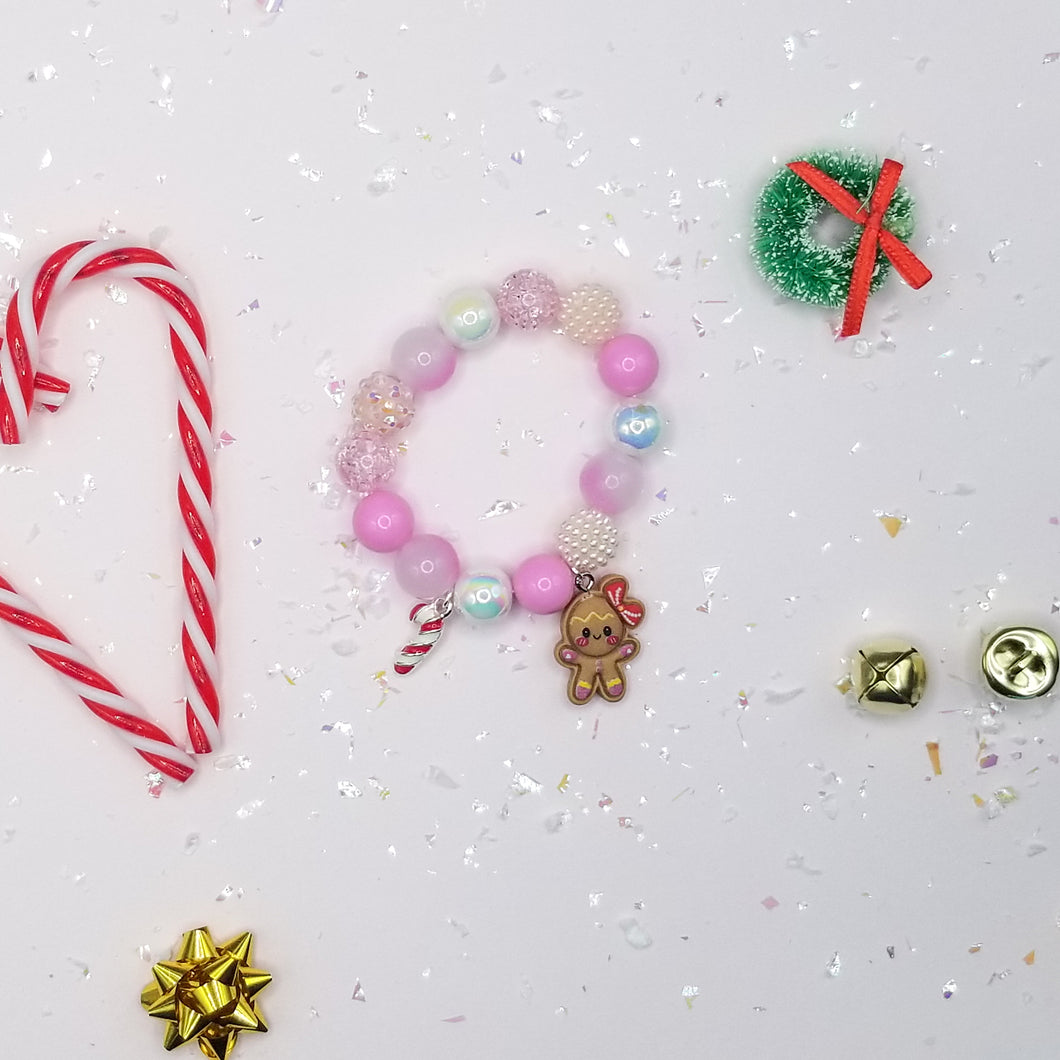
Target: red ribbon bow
[(630, 611), (908, 265)]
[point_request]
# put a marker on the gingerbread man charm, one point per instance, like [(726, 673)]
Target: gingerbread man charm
[(597, 640)]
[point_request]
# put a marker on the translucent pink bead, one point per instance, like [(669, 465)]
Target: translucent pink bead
[(364, 460), (426, 566), (423, 358), (627, 364), (611, 481), (383, 403), (527, 299), (543, 584), (383, 521)]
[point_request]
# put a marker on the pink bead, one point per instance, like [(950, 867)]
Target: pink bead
[(364, 460), (527, 299), (426, 566), (611, 481), (543, 584), (627, 364), (423, 358), (383, 521)]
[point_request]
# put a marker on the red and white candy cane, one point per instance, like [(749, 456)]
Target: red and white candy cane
[(430, 617), (22, 385)]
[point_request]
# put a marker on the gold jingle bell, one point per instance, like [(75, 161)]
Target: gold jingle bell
[(888, 676), (1020, 662)]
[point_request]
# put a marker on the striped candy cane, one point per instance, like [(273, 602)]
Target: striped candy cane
[(22, 385), (430, 617)]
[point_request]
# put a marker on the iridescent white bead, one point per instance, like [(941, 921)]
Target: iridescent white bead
[(484, 595), (587, 540), (469, 317), (637, 426)]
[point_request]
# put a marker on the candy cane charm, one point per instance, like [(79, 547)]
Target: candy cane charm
[(430, 617), (23, 384)]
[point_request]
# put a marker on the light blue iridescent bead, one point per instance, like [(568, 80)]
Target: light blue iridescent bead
[(469, 317), (484, 595), (637, 426)]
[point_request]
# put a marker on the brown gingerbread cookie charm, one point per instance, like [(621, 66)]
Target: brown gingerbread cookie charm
[(597, 640)]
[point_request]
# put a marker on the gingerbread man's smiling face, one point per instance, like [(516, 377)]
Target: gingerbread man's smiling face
[(595, 628)]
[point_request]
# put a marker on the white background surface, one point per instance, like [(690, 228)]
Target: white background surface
[(339, 167)]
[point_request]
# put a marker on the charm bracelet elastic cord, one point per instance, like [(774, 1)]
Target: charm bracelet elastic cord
[(599, 615)]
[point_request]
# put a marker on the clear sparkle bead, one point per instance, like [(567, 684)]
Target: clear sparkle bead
[(527, 299), (590, 314), (383, 403), (365, 460), (587, 540)]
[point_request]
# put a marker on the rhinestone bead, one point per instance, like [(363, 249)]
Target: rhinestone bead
[(587, 540), (383, 403), (590, 314), (365, 460), (527, 299)]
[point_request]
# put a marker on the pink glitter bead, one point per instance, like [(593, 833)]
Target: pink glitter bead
[(383, 403), (543, 584), (627, 364), (527, 299), (364, 460), (383, 521)]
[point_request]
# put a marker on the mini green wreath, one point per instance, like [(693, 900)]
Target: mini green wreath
[(791, 204)]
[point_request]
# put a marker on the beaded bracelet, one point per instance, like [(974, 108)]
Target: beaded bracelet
[(599, 616)]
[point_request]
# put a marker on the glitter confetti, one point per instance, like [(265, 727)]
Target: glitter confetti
[(690, 993), (384, 179), (231, 762), (1029, 958), (558, 821), (988, 761), (949, 988), (439, 776), (770, 902), (635, 934), (524, 784), (933, 755), (501, 507), (314, 176), (358, 992), (834, 966), (891, 523)]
